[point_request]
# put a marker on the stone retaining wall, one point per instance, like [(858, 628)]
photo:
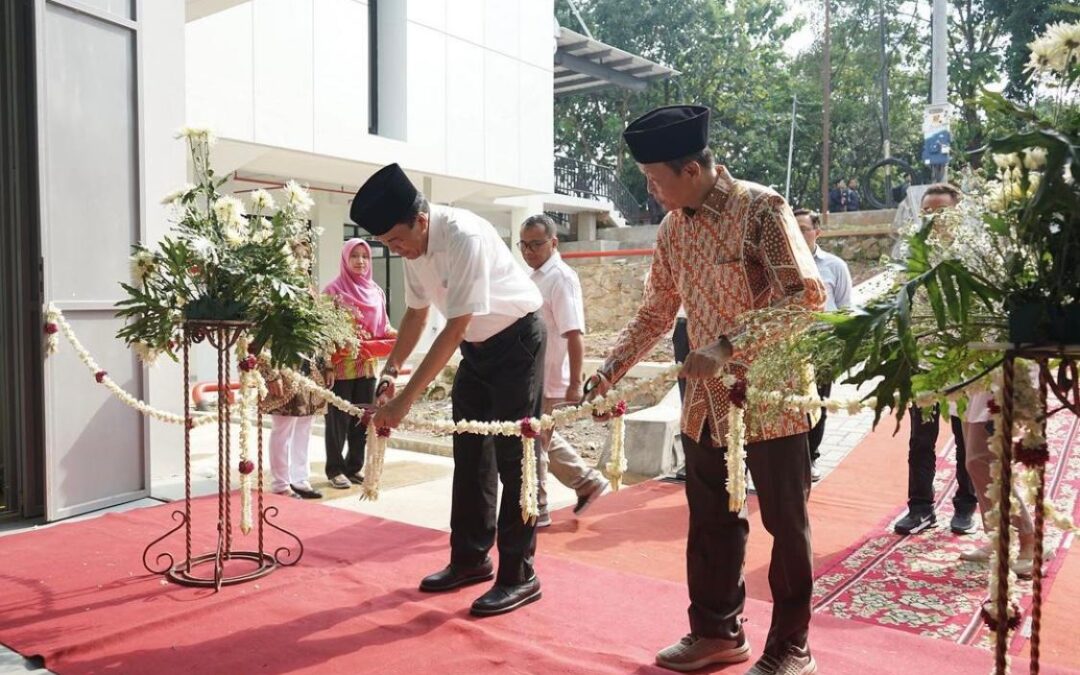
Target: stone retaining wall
[(611, 289)]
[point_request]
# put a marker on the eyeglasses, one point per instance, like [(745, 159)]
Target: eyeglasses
[(532, 245)]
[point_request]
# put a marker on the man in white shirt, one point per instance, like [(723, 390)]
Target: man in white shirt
[(834, 272), (457, 262), (563, 314)]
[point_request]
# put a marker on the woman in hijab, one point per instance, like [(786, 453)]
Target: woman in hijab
[(354, 377)]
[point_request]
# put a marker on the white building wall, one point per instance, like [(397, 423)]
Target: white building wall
[(294, 74)]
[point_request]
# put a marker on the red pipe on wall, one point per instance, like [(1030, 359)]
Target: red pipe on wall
[(277, 184), (622, 253)]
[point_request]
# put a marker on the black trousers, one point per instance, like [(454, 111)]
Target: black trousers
[(342, 427), (922, 464), (680, 340), (817, 433), (716, 544), (501, 378)]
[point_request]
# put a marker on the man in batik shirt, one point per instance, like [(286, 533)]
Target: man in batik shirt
[(726, 247)]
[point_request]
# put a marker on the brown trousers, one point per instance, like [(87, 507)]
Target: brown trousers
[(716, 544)]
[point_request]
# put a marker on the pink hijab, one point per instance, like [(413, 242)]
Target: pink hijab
[(360, 292)]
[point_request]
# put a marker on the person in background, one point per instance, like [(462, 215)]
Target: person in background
[(292, 413), (977, 431), (563, 314), (838, 197), (922, 459), (854, 197), (354, 381), (837, 277)]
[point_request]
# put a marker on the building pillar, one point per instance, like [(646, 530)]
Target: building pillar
[(529, 206), (330, 213), (585, 226)]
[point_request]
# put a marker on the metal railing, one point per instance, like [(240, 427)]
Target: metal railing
[(595, 181)]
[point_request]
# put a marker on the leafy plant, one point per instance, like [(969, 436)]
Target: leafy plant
[(221, 263)]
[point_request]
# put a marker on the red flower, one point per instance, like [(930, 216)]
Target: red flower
[(100, 375), (383, 432), (991, 621), (51, 328), (620, 409), (994, 408), (1031, 457), (246, 466), (527, 428), (737, 394), (248, 363)]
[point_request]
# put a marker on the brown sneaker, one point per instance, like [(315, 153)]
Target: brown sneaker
[(794, 661), (693, 652)]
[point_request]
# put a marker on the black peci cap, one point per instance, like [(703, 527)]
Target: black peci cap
[(668, 133), (382, 202)]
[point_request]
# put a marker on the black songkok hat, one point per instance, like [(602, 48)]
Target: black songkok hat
[(671, 132), (383, 201)]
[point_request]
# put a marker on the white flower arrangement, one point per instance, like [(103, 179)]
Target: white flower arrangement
[(261, 200), (297, 198)]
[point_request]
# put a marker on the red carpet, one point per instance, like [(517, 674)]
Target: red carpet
[(77, 595), (918, 584), (643, 529)]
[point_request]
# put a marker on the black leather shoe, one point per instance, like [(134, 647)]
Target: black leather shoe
[(306, 493), (451, 577), (502, 599)]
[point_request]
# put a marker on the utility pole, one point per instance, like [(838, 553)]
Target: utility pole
[(886, 149), (939, 85), (826, 85), (790, 149)]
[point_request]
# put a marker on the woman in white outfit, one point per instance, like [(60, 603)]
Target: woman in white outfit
[(977, 431)]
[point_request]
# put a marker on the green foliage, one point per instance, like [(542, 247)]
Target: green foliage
[(218, 263)]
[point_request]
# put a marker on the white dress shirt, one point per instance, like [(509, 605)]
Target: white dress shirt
[(468, 269), (563, 311), (834, 272)]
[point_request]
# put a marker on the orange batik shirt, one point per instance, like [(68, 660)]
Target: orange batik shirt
[(741, 250)]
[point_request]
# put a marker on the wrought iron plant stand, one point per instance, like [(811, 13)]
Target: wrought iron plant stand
[(223, 336)]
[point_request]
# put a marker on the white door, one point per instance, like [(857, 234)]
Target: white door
[(89, 130)]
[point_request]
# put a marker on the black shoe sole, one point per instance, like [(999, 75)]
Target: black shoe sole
[(503, 610), (464, 581)]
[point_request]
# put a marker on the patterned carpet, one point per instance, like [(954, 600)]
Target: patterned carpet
[(919, 585)]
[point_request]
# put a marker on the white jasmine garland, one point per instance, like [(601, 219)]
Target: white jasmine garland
[(375, 453), (530, 508), (116, 390), (736, 459), (616, 466), (52, 319)]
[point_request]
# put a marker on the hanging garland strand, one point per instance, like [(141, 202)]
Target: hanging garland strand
[(610, 403)]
